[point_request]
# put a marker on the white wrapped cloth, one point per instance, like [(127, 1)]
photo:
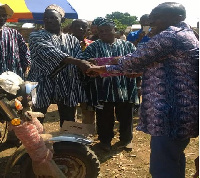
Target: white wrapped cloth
[(10, 82)]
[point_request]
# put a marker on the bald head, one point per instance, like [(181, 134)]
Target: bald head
[(172, 8), (165, 15)]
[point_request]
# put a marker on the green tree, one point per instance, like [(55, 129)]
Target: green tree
[(122, 20), (119, 25), (66, 22)]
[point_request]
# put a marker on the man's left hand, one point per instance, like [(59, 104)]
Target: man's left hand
[(84, 65), (96, 69)]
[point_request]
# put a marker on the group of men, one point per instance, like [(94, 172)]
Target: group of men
[(168, 63)]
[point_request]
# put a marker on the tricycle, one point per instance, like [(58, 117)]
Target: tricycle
[(63, 155)]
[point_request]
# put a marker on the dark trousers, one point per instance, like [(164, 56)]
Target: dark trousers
[(167, 158), (105, 121), (66, 113)]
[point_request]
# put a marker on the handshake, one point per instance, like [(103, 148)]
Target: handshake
[(93, 67), (98, 66)]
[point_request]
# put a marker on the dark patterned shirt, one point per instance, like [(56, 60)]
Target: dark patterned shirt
[(47, 51), (15, 56), (110, 89), (170, 93)]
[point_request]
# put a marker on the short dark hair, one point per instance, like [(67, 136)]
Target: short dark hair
[(79, 20), (145, 17), (173, 8)]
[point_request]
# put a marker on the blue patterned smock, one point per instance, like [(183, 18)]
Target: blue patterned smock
[(47, 51), (110, 89), (15, 56), (170, 93)]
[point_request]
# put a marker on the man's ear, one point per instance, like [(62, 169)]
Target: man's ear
[(62, 20), (180, 18)]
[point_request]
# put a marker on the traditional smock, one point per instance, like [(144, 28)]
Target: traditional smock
[(110, 89), (47, 51), (14, 53)]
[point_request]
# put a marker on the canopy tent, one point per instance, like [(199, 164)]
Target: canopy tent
[(32, 10)]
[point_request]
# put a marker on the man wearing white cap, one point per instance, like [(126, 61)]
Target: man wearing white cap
[(49, 48), (14, 56)]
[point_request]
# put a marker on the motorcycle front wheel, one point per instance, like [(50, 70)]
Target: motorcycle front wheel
[(75, 160)]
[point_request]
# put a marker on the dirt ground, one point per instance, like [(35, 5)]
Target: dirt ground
[(118, 163)]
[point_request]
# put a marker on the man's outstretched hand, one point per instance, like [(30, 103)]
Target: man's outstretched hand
[(81, 64), (84, 65), (96, 70)]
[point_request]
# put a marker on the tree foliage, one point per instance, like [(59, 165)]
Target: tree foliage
[(66, 22), (122, 20)]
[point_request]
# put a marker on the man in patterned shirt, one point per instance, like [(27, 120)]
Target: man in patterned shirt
[(111, 95), (50, 48), (14, 56), (170, 104)]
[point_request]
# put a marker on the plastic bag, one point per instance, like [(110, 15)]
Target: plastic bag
[(10, 82)]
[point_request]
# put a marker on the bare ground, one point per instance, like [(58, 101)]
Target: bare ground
[(118, 163)]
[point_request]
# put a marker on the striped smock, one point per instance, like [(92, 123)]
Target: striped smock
[(15, 56), (47, 51), (110, 89)]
